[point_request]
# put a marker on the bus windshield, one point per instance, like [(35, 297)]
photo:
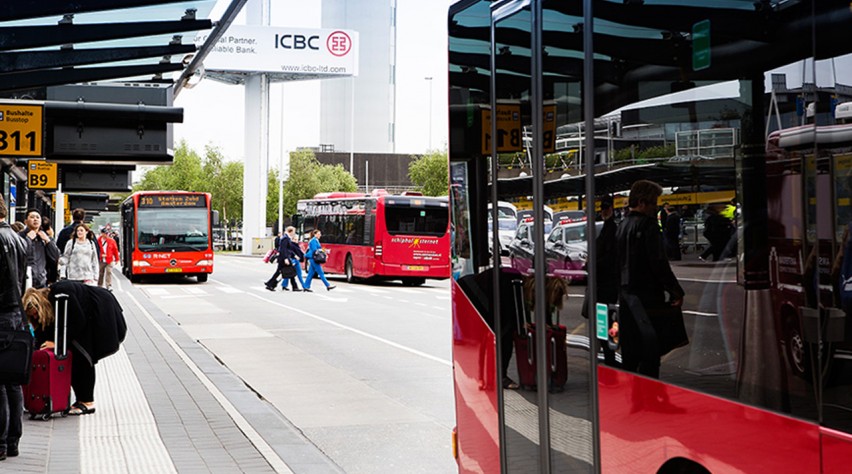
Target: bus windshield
[(172, 229), (416, 220)]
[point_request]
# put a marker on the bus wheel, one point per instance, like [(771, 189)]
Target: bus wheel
[(350, 271), (202, 277)]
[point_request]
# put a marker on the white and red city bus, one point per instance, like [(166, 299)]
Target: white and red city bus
[(765, 382), (166, 233), (383, 236)]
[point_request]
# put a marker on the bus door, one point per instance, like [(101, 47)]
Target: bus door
[(831, 177)]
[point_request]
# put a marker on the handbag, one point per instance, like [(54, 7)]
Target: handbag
[(269, 257), (320, 256), (16, 351), (668, 323)]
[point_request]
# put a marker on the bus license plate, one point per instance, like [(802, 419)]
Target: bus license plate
[(174, 270), (416, 268)]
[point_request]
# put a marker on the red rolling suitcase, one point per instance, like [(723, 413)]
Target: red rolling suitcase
[(49, 390), (524, 339)]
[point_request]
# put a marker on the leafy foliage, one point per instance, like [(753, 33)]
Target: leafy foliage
[(224, 180), (308, 177), (430, 172)]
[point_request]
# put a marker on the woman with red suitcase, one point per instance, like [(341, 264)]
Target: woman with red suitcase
[(95, 329)]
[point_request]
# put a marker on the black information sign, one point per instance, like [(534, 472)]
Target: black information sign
[(172, 200)]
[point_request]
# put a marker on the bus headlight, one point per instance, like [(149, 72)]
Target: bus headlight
[(204, 263), (141, 263)]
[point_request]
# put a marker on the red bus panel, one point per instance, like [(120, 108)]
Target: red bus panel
[(475, 375), (644, 423)]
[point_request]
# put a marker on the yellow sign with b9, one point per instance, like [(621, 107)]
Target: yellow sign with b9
[(41, 175)]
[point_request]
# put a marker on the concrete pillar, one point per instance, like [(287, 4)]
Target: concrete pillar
[(256, 141)]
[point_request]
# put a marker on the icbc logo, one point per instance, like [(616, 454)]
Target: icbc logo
[(338, 43)]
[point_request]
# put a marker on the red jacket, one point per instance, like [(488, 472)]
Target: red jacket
[(109, 249)]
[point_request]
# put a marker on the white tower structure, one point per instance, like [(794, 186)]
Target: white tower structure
[(374, 115)]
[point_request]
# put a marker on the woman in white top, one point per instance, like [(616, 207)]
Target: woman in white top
[(79, 261)]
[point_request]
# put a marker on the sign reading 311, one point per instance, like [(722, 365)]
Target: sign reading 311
[(21, 128)]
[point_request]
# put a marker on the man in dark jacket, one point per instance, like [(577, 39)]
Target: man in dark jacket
[(608, 276), (287, 250), (78, 216), (42, 253), (13, 265), (646, 277)]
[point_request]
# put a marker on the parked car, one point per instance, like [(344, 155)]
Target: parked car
[(566, 250), (522, 248)]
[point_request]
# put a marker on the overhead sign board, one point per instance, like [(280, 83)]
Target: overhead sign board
[(244, 48), (41, 175), (508, 129), (21, 128)]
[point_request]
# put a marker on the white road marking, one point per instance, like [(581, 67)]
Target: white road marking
[(359, 332)]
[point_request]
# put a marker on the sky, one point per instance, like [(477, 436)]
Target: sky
[(214, 112)]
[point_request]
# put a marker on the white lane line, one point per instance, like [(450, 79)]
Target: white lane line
[(370, 289), (155, 291), (439, 307), (254, 437), (443, 297), (700, 280), (359, 332), (195, 291), (229, 289), (122, 436)]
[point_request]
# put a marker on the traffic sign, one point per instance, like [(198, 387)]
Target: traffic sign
[(21, 129), (602, 321), (701, 45), (508, 129), (41, 175)]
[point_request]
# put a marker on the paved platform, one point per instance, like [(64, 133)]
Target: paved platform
[(166, 405)]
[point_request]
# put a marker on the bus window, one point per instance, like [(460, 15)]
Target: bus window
[(413, 220)]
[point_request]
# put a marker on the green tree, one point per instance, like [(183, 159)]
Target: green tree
[(308, 177), (183, 174), (430, 173), (211, 174)]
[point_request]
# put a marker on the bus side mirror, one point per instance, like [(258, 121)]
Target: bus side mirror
[(297, 220), (214, 216)]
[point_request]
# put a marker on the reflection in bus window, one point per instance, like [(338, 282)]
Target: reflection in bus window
[(412, 220)]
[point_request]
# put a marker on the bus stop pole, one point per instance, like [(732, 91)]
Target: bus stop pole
[(59, 216)]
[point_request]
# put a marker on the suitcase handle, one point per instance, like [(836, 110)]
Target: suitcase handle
[(530, 347), (552, 354), (60, 346), (520, 310)]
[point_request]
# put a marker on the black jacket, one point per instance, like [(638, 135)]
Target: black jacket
[(13, 267), (608, 275), (288, 249), (96, 325), (644, 267)]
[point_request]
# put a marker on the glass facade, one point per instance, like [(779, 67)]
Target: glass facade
[(734, 109)]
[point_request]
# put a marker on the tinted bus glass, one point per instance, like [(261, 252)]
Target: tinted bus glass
[(419, 221), (172, 229)]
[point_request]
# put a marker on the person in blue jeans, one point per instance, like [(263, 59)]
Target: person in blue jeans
[(315, 268), (295, 257)]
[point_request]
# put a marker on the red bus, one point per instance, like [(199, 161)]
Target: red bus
[(382, 236), (765, 382), (166, 233)]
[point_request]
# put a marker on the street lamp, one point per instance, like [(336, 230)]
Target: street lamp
[(429, 78)]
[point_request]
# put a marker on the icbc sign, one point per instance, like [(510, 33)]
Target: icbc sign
[(338, 43), (296, 42)]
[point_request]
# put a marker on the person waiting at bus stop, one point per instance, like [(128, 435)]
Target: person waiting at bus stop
[(646, 277), (315, 268)]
